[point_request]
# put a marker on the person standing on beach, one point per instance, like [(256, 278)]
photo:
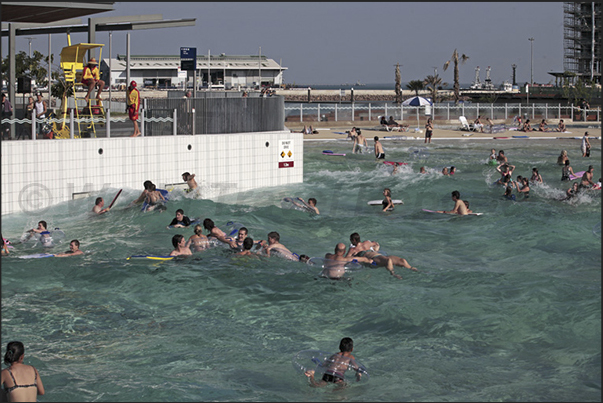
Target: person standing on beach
[(133, 100), (379, 153), (585, 146), (428, 130)]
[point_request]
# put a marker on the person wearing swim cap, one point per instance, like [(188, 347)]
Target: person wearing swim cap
[(133, 102)]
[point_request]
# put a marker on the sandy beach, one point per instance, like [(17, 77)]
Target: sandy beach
[(332, 130)]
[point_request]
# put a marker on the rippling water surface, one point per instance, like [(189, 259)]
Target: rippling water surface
[(505, 306)]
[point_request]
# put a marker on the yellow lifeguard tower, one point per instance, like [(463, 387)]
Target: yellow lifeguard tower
[(72, 63)]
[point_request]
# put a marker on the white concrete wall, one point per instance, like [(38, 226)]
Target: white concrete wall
[(37, 174)]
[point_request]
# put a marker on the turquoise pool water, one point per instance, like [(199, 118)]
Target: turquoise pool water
[(505, 306)]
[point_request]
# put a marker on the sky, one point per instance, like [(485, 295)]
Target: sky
[(345, 42)]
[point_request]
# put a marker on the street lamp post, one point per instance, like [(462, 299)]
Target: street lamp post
[(531, 60)]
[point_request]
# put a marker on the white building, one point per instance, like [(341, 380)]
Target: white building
[(164, 71)]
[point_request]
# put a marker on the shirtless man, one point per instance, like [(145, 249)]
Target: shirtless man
[(274, 245), (359, 140), (190, 180), (334, 266), (147, 186), (337, 365), (98, 206), (370, 250), (153, 197), (42, 227), (587, 178), (74, 250), (459, 206), (379, 153), (180, 248), (312, 203), (247, 245), (217, 233)]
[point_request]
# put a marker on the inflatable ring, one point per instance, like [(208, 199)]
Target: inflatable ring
[(319, 362)]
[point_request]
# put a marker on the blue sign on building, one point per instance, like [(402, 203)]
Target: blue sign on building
[(188, 59)]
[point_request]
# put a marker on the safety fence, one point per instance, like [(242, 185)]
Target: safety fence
[(159, 117), (321, 112)]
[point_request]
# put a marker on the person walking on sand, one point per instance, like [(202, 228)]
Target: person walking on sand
[(379, 153), (133, 100), (428, 130)]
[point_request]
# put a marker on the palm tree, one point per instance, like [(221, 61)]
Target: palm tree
[(416, 86), (433, 84), (398, 82), (455, 59)]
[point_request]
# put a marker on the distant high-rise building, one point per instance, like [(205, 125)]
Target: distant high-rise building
[(582, 39)]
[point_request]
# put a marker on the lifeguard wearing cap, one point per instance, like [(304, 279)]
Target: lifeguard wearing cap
[(133, 101), (91, 79)]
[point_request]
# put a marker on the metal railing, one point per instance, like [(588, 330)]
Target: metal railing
[(175, 116), (320, 112)]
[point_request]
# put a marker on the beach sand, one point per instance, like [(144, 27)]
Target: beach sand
[(331, 130)]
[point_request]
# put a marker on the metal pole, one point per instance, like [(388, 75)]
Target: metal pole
[(336, 112), (49, 73), (108, 125), (531, 61), (318, 112), (71, 123), (260, 71), (33, 125), (175, 123), (208, 71), (127, 62), (193, 116), (110, 53), (142, 119), (370, 111), (301, 113)]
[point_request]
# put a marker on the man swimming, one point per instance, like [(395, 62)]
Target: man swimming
[(274, 245), (459, 206), (215, 232), (74, 250), (334, 266), (370, 250)]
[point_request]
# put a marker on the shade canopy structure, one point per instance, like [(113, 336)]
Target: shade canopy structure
[(417, 101)]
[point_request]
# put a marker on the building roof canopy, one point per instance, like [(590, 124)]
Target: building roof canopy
[(45, 12)]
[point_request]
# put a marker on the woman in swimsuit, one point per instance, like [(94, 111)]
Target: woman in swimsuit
[(20, 382), (387, 203), (562, 158), (566, 171), (536, 177), (198, 241)]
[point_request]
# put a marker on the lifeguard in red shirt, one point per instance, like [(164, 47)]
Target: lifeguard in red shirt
[(133, 106), (91, 79)]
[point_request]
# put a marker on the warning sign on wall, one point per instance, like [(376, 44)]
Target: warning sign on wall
[(286, 154)]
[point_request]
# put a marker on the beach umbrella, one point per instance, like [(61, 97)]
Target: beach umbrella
[(417, 102)]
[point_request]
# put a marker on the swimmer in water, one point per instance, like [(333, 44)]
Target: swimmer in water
[(180, 248), (337, 365), (198, 242), (247, 245), (74, 250), (334, 266), (274, 245), (215, 232)]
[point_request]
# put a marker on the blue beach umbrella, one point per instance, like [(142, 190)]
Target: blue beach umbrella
[(417, 101)]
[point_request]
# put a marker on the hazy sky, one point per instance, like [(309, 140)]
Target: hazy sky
[(334, 43)]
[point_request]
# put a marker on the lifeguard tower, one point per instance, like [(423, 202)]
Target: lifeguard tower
[(72, 63)]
